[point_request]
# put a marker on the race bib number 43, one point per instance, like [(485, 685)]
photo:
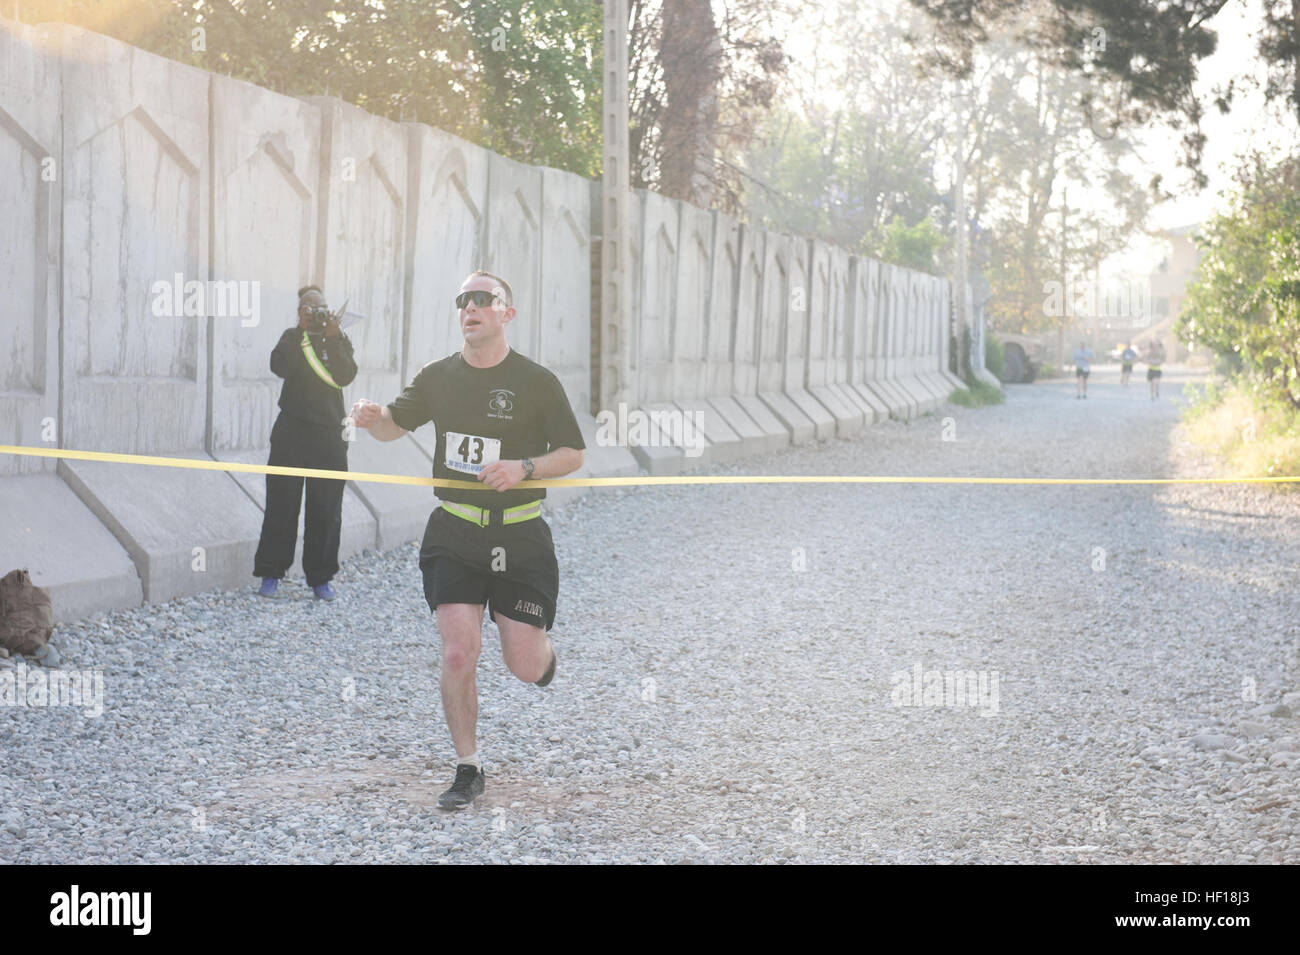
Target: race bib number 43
[(470, 453)]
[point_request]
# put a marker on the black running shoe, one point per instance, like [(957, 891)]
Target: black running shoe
[(469, 785), (550, 672)]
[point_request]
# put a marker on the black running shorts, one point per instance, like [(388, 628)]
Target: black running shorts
[(1153, 373), (448, 581)]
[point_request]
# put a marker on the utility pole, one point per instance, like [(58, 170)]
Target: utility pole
[(615, 374)]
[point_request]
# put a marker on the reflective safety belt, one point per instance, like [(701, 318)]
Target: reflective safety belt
[(322, 372), (482, 515)]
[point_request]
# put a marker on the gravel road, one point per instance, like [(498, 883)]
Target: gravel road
[(739, 674)]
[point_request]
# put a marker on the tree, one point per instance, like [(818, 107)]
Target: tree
[(913, 246), (699, 81), (844, 173), (1150, 47)]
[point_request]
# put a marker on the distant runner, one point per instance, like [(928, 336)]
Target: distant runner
[(1155, 358), (1127, 358), (1082, 369)]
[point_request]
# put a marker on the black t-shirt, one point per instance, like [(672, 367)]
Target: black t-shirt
[(516, 409)]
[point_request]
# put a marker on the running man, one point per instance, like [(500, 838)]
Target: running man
[(1082, 369), (501, 419), (1155, 358), (1126, 358)]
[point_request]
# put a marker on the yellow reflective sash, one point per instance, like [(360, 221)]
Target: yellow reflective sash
[(322, 372)]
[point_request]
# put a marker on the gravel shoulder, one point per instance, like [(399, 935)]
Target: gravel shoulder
[(736, 667)]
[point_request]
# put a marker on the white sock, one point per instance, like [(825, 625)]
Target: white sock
[(471, 759)]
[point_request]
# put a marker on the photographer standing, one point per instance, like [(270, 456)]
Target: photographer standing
[(315, 361)]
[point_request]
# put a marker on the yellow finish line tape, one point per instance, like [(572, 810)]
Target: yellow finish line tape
[(201, 465)]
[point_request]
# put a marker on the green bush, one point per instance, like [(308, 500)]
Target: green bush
[(1244, 303), (1246, 426), (977, 395)]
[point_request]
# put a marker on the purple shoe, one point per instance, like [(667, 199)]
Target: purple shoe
[(323, 592), (270, 587)]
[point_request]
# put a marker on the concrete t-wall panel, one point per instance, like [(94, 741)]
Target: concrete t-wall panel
[(894, 287), (897, 363), (360, 257), (266, 170), (692, 314), (725, 443), (753, 439), (360, 254), (656, 279), (135, 212), (945, 326), (177, 547), (720, 333), (746, 324), (513, 244), (30, 240), (825, 295), (768, 268), (50, 533), (901, 404), (604, 456), (774, 275), (564, 324), (931, 357), (446, 227), (785, 350), (861, 325), (921, 316)]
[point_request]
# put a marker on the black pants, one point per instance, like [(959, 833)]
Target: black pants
[(296, 445)]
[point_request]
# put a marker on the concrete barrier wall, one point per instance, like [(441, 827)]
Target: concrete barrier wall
[(653, 310), (513, 245), (564, 319), (44, 526), (30, 240), (126, 175), (135, 181), (136, 364)]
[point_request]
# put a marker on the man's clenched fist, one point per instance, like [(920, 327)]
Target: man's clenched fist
[(366, 413)]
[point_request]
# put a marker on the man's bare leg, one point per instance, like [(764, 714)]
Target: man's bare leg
[(461, 628), (526, 649)]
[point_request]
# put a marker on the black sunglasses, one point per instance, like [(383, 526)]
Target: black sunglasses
[(479, 298)]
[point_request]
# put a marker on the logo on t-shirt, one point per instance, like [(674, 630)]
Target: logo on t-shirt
[(501, 403)]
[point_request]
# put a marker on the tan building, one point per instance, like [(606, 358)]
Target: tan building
[(1169, 287)]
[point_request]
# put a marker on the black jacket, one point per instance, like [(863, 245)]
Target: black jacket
[(304, 396)]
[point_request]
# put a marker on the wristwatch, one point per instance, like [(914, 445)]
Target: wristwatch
[(528, 469)]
